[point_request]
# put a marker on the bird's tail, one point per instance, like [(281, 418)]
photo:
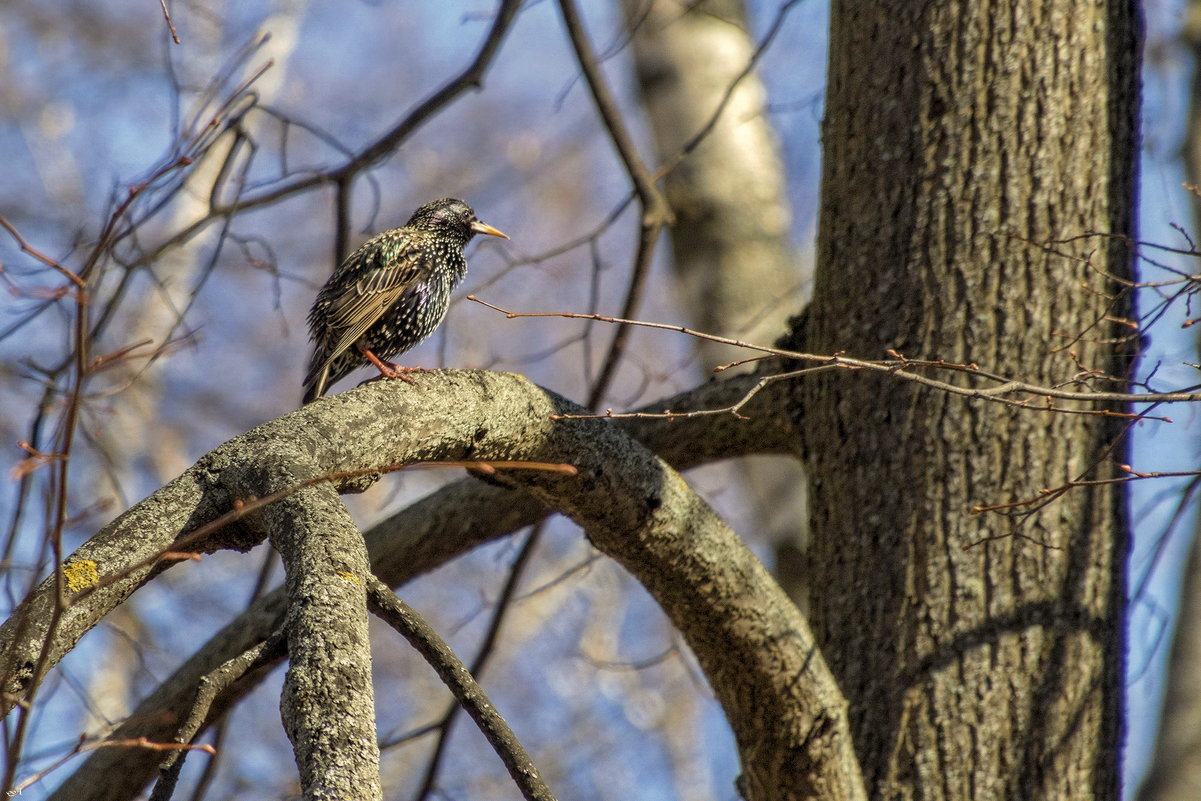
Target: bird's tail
[(315, 383)]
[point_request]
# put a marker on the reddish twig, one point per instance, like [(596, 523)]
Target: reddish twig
[(37, 254), (170, 24), (82, 747), (900, 367), (244, 506)]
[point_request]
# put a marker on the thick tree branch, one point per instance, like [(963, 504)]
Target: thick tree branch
[(443, 525), (417, 539), (328, 700)]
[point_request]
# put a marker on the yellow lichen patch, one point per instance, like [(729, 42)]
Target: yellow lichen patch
[(81, 575), (348, 576)]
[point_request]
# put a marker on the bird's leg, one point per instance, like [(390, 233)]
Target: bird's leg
[(390, 370)]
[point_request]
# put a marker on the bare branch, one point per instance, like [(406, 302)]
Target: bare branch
[(900, 368), (655, 209), (328, 700), (455, 675), (211, 686), (170, 24), (408, 544)]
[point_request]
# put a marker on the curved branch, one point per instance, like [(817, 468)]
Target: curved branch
[(445, 524), (455, 675), (417, 539)]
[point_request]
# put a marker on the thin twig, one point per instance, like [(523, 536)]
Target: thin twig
[(671, 163), (83, 747), (396, 613), (170, 24), (504, 604), (899, 367)]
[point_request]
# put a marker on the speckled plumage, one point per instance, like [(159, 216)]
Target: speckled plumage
[(390, 294)]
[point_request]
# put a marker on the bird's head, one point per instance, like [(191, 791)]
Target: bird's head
[(454, 216)]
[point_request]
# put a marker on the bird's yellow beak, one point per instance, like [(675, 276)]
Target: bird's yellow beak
[(484, 228)]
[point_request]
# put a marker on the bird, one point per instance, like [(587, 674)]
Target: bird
[(390, 294)]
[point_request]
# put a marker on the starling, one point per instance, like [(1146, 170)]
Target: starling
[(390, 294)]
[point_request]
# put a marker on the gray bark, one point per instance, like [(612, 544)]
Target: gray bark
[(328, 701), (747, 636), (981, 653)]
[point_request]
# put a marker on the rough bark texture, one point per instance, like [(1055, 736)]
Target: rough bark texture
[(760, 650), (328, 700), (114, 562), (955, 133)]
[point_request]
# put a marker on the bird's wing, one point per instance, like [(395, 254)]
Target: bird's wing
[(359, 306)]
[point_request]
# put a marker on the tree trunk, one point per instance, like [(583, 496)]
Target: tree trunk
[(980, 653)]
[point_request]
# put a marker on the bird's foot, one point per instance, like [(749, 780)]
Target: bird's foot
[(390, 370)]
